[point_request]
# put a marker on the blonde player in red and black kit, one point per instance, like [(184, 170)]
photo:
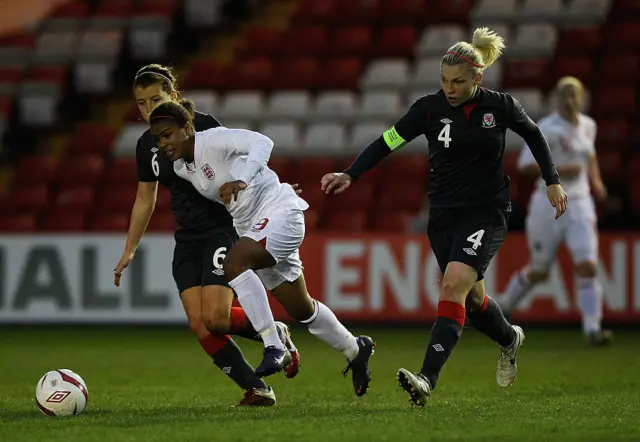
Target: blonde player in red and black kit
[(571, 136), (469, 201), (204, 235)]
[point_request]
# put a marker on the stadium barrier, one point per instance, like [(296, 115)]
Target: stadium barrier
[(363, 278)]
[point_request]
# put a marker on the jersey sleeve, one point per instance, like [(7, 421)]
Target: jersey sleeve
[(410, 126), (144, 163)]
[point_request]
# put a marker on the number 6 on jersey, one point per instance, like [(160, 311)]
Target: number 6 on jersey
[(444, 135)]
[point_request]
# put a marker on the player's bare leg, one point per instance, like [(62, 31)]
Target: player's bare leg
[(457, 282), (226, 354), (322, 323), (589, 294), (486, 316), (246, 256)]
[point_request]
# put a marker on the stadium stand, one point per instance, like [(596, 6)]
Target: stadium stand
[(321, 77)]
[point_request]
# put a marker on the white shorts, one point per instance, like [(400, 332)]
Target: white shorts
[(281, 231), (577, 227)]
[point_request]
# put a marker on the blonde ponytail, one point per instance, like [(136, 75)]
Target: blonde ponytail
[(485, 48)]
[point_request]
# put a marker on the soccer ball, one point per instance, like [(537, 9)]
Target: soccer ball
[(61, 393)]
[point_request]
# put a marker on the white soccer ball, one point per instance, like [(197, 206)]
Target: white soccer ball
[(61, 393)]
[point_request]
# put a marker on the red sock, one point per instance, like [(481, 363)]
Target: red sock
[(453, 311), (213, 344), (485, 303), (239, 320)]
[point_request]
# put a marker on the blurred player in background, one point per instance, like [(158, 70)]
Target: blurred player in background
[(230, 166), (468, 199), (571, 136), (204, 235)]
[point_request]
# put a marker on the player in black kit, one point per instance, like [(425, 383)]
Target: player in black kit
[(204, 234), (465, 126)]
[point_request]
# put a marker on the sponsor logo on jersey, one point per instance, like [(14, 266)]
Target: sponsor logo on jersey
[(446, 121), (488, 121), (208, 172), (470, 251), (154, 149)]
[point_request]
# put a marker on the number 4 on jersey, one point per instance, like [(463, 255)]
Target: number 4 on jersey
[(444, 135), (475, 239)]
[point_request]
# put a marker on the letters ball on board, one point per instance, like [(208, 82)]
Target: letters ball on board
[(61, 393)]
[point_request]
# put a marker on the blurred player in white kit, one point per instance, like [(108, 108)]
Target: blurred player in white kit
[(571, 136), (229, 166)]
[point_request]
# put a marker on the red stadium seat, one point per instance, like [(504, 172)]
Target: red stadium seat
[(613, 132), (624, 36), (85, 169), (579, 41), (162, 221), (409, 167), (579, 67), (634, 195), (117, 199), (92, 138), (299, 73), (64, 221), (611, 164), (352, 221), (163, 199), (36, 169), (626, 9), (114, 8), (122, 170), (262, 42), (74, 198), (393, 222), (618, 101), (110, 223), (74, 9), (395, 41), (312, 169), (352, 40), (206, 74), (282, 166), (403, 12), (313, 194), (406, 196), (11, 74), (307, 41), (618, 68), (314, 11), (358, 197), (156, 7), (26, 199), (341, 73), (47, 73), (373, 178), (252, 74), (18, 223), (449, 12), (528, 73), (355, 12), (311, 220), (18, 40)]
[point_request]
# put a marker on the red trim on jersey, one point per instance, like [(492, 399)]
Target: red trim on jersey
[(467, 108)]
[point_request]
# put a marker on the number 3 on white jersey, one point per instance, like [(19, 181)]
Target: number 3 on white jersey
[(444, 135)]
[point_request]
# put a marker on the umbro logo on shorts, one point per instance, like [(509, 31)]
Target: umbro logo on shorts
[(470, 251), (218, 272)]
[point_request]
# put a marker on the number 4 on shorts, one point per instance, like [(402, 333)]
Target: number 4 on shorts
[(475, 239)]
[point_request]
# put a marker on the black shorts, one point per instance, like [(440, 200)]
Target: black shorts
[(470, 235), (199, 263)]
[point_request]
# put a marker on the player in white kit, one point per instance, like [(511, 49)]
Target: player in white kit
[(571, 136), (230, 166)]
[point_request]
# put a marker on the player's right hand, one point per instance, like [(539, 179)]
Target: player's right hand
[(558, 198), (335, 183), (125, 260)]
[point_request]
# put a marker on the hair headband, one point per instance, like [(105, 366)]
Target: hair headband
[(153, 73), (468, 60)]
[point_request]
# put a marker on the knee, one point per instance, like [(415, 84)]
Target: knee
[(475, 300), (587, 269), (197, 326), (453, 289), (537, 276), (217, 323)]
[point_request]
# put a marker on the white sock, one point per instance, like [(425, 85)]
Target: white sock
[(324, 324), (590, 303), (517, 289), (253, 298)]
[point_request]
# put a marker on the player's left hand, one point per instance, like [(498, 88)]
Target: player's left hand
[(599, 191), (558, 198), (230, 191), (297, 188)]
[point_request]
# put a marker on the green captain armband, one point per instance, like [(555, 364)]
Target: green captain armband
[(393, 139)]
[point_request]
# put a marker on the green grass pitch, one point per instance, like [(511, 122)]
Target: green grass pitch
[(154, 384)]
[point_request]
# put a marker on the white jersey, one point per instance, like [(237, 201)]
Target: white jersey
[(222, 155), (569, 145)]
